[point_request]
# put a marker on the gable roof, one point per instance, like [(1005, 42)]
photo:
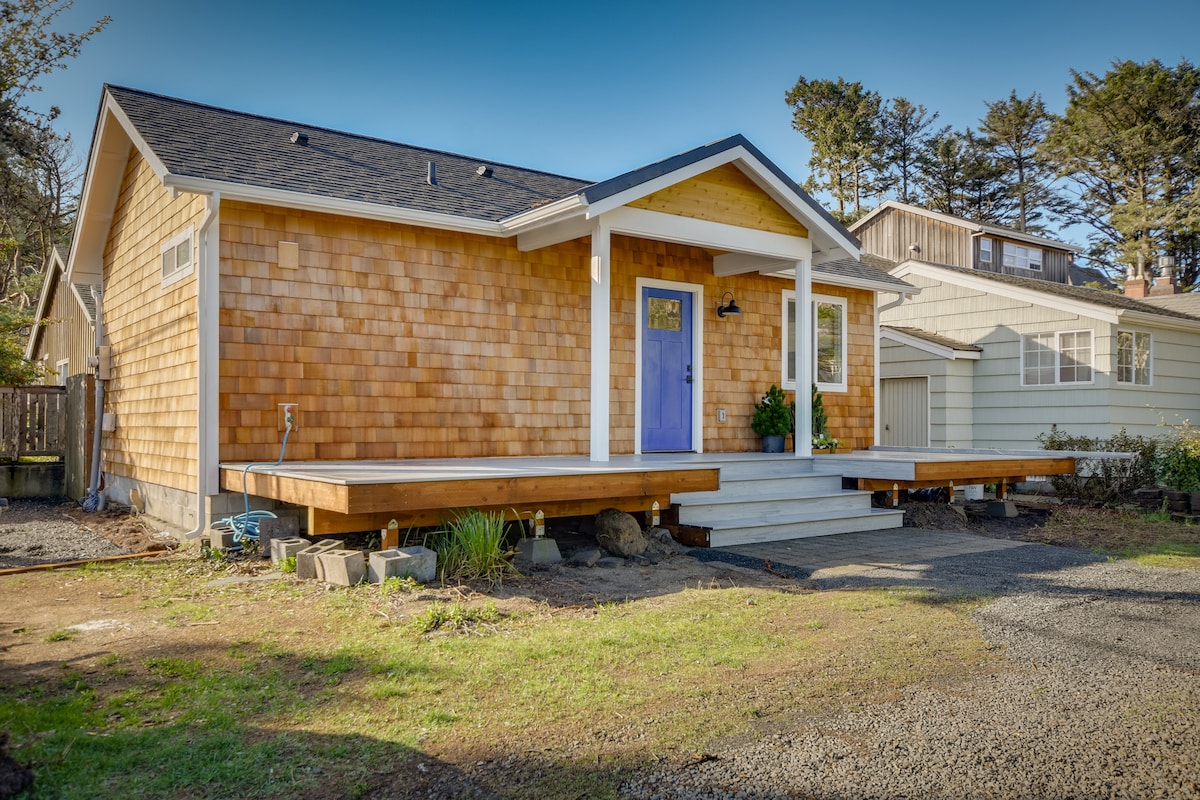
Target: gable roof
[(999, 231), (1091, 302), (82, 294)]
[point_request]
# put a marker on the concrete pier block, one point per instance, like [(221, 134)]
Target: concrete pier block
[(538, 551), (286, 548), (1001, 509), (342, 567), (307, 566), (279, 528)]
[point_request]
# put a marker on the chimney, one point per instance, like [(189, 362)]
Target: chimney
[(1165, 283), (1136, 284)]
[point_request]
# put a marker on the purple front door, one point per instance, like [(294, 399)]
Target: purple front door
[(666, 370)]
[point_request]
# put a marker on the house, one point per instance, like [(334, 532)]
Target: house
[(68, 338), (984, 359), (405, 306), (899, 232)]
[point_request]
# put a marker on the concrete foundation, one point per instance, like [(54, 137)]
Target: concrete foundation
[(307, 565), (33, 480), (342, 567)]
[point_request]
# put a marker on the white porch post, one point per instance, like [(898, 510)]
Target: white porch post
[(804, 359), (601, 339)]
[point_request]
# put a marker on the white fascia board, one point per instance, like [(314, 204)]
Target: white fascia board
[(849, 282), (941, 351), (332, 205), (1083, 309), (546, 214), (556, 233), (1152, 320), (702, 233)]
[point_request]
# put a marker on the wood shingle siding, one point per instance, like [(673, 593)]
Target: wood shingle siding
[(153, 389), (725, 195)]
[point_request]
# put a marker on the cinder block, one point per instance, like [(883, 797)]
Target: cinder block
[(539, 551), (419, 563), (384, 564), (280, 528), (342, 567), (307, 565), (221, 539), (286, 548)]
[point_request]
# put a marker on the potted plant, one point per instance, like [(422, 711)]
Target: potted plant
[(821, 440), (772, 420)]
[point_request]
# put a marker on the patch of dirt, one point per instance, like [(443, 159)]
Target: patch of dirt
[(972, 516), (123, 527)]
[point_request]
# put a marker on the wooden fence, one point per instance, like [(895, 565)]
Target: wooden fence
[(33, 421)]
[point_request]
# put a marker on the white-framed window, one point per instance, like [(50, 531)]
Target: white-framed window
[(1048, 359), (178, 256), (829, 342), (1016, 255), (1133, 357), (63, 370), (985, 252)]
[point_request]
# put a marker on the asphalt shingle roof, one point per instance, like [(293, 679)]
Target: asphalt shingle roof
[(202, 141), (871, 268), (933, 338), (1079, 293), (1187, 302)]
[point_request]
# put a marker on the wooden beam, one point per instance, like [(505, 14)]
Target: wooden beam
[(890, 484), (324, 523), (967, 471), (297, 491)]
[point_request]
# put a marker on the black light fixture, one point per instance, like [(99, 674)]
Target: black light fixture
[(724, 310)]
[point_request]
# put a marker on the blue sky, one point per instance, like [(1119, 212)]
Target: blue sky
[(592, 90)]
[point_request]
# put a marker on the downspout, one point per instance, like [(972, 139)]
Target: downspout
[(92, 500), (207, 314), (878, 312)]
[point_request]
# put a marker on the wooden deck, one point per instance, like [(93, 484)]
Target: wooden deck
[(893, 469), (348, 496)]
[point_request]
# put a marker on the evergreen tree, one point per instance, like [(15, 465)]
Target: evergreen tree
[(1013, 130), (1128, 144), (903, 141)]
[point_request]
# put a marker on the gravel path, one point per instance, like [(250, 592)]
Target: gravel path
[(36, 532), (1101, 700)]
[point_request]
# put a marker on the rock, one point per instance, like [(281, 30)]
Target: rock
[(610, 562), (585, 558), (619, 533)]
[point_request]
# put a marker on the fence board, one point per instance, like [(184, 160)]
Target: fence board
[(33, 421)]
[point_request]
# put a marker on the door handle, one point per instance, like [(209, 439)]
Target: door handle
[(689, 373)]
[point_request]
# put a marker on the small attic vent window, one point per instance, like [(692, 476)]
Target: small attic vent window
[(300, 139), (484, 171)]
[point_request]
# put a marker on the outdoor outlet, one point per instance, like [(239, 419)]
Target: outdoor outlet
[(287, 410), (720, 415)]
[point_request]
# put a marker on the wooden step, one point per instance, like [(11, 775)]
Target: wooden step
[(719, 510), (804, 526), (766, 488)]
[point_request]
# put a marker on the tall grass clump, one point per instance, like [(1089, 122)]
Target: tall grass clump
[(471, 547)]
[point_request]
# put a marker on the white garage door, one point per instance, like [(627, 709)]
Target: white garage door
[(904, 412)]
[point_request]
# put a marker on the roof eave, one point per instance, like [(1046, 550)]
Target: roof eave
[(310, 202)]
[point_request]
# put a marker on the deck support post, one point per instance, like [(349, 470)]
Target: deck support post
[(601, 283)]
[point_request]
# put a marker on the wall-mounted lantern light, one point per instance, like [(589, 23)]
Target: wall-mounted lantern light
[(730, 309)]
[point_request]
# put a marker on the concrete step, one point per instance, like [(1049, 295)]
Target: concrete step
[(806, 525), (759, 467)]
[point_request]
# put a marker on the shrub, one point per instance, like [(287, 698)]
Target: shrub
[(1178, 462), (773, 414), (1104, 481), (471, 546)]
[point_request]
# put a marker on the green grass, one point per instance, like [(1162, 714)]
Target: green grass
[(332, 688), (1170, 556)]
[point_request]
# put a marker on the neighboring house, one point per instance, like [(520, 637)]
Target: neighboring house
[(416, 304), (898, 232), (67, 339), (978, 359)]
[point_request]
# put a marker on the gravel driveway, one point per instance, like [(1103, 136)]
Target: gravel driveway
[(1101, 699)]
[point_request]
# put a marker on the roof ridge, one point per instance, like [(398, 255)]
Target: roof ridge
[(305, 126)]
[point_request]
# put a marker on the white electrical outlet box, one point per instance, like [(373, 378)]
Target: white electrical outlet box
[(287, 410), (720, 415)]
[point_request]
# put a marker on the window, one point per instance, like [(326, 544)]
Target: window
[(1055, 358), (829, 342), (177, 260), (62, 369), (1022, 257), (1133, 358), (985, 252)]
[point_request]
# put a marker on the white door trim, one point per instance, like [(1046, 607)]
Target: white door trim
[(698, 317)]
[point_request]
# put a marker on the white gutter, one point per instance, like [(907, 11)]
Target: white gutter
[(208, 276)]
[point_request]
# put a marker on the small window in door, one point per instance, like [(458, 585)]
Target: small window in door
[(665, 314)]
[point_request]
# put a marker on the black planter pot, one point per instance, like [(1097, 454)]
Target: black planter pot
[(773, 444)]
